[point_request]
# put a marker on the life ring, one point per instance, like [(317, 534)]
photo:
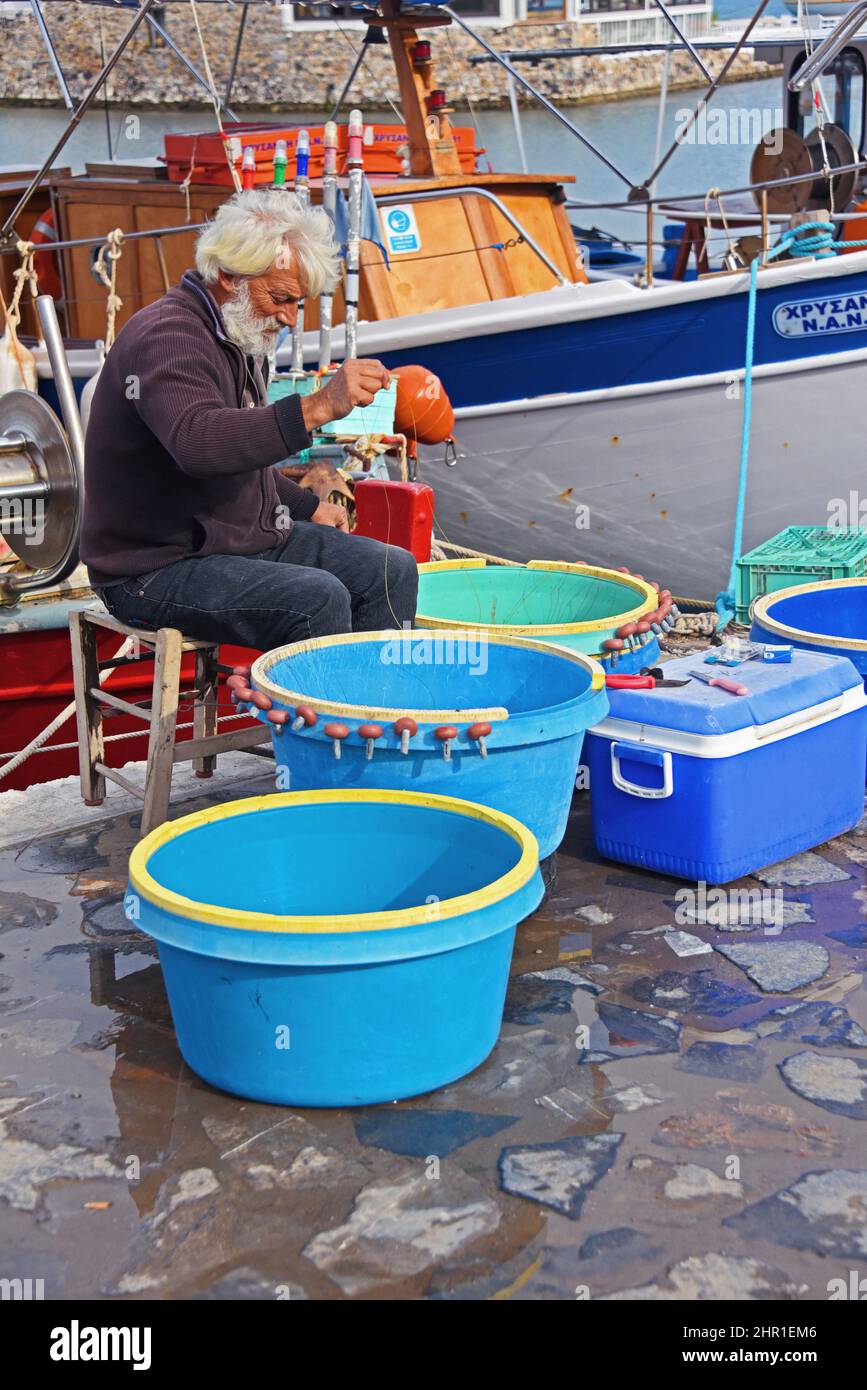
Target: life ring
[(45, 262)]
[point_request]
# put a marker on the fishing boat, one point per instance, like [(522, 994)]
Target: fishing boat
[(598, 413), (599, 410)]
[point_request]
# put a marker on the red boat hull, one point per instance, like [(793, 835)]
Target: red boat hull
[(37, 685)]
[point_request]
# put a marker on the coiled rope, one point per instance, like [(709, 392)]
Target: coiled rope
[(807, 239)]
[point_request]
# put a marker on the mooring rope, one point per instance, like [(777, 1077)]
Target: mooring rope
[(24, 275), (36, 743), (209, 78), (143, 732), (112, 248), (715, 195)]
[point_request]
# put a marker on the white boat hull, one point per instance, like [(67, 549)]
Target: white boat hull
[(651, 480)]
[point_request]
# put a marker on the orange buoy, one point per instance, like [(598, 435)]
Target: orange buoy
[(423, 410)]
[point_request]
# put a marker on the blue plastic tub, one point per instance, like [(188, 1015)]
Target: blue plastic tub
[(706, 785), (829, 617), (335, 948), (535, 701)]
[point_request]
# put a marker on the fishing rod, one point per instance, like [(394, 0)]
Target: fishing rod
[(528, 86), (641, 191)]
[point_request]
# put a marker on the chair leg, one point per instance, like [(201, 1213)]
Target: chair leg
[(164, 718), (88, 711), (205, 711)]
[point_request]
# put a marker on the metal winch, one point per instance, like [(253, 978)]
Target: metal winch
[(41, 474)]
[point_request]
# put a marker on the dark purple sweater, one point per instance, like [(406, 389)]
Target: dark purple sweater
[(176, 463)]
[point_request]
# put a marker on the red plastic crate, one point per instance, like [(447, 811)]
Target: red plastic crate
[(383, 145)]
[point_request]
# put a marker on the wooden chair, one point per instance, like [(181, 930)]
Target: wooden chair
[(165, 648)]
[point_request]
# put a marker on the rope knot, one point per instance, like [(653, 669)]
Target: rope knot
[(113, 249)]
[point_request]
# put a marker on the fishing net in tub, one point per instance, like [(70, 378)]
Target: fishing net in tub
[(611, 615)]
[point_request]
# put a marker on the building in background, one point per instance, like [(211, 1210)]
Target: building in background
[(605, 21)]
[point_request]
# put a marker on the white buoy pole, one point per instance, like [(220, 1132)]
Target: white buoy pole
[(329, 202), (356, 175), (302, 193)]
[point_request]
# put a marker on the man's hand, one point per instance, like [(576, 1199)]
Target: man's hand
[(330, 514), (356, 383)]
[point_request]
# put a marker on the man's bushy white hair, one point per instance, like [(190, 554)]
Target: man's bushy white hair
[(253, 231)]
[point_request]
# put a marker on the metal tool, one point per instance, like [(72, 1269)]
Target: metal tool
[(648, 680), (722, 681)]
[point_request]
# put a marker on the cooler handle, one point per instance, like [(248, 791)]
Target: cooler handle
[(656, 757), (800, 719)]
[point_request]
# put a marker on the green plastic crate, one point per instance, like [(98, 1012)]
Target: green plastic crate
[(799, 555)]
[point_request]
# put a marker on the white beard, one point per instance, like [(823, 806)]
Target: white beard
[(253, 335)]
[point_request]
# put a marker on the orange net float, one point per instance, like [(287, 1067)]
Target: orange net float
[(423, 411)]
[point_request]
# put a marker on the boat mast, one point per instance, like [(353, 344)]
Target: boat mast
[(432, 148)]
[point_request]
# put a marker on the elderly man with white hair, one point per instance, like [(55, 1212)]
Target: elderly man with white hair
[(187, 523)]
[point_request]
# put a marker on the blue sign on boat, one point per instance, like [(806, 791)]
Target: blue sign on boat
[(804, 318), (401, 230)]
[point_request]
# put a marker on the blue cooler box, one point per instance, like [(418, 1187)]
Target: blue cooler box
[(702, 784)]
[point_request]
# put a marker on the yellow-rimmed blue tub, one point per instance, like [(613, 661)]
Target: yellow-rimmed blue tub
[(335, 948), (490, 718)]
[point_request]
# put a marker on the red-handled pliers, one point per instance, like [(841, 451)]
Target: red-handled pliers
[(625, 682)]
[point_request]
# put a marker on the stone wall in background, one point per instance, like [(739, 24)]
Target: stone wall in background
[(305, 71)]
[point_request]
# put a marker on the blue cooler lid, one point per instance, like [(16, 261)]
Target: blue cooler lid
[(775, 691)]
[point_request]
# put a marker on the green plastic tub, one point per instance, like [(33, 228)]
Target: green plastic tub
[(570, 605)]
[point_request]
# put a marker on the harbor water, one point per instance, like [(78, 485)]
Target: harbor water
[(624, 129)]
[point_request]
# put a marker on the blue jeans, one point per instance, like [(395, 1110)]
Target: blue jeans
[(316, 582)]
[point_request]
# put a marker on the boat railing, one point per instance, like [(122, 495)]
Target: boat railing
[(428, 195), (383, 200)]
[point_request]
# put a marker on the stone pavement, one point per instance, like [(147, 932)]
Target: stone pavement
[(675, 1110)]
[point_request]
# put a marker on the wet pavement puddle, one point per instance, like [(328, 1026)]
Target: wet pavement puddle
[(659, 1120)]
